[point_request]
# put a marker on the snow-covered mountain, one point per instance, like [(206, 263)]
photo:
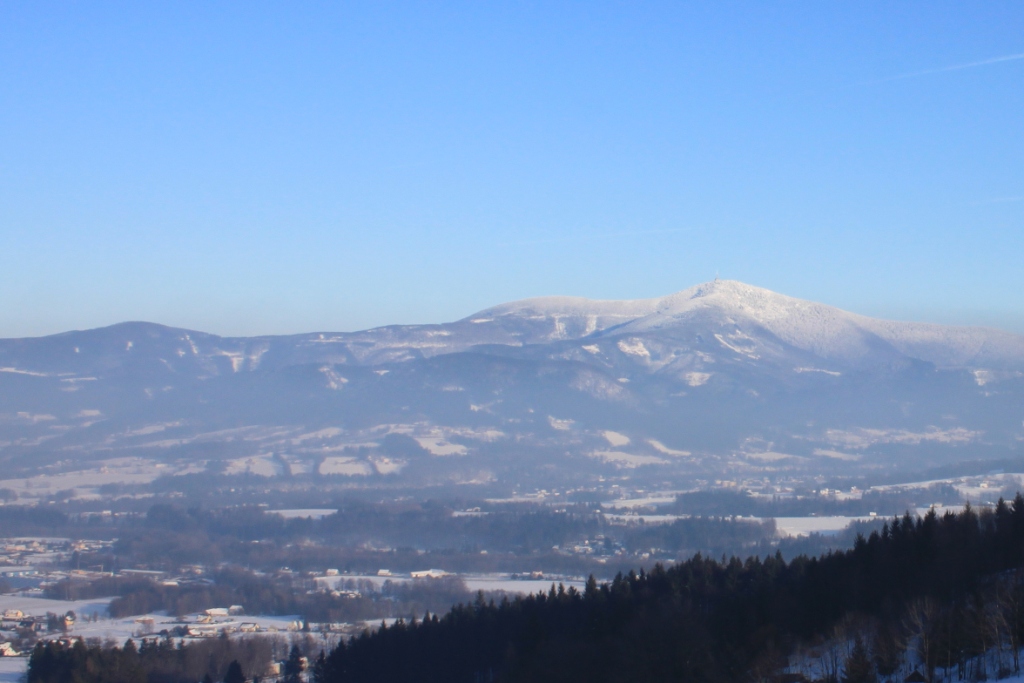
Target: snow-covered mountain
[(719, 370), (745, 321)]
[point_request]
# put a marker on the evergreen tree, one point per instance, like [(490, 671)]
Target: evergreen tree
[(234, 674), (320, 668), (293, 667), (858, 667)]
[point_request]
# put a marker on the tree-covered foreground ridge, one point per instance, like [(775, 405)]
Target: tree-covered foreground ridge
[(942, 596)]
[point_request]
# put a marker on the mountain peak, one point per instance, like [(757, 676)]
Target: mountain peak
[(826, 331), (727, 291), (714, 290), (718, 286)]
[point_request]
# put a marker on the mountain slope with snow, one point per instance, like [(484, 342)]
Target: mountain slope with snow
[(725, 308), (718, 381), (825, 331)]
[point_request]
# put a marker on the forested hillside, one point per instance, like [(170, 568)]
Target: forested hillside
[(949, 588)]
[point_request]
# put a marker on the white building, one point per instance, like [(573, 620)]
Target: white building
[(430, 574)]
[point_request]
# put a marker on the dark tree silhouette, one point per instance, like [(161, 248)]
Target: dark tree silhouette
[(858, 667), (234, 674), (293, 667)]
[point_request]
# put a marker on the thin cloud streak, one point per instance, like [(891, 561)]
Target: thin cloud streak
[(591, 238), (955, 67), (998, 200)]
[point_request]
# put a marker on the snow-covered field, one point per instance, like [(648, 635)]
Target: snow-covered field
[(12, 669), (85, 482), (262, 465), (315, 513), (520, 586), (93, 622), (979, 488), (123, 628), (660, 498), (40, 606), (646, 519), (347, 466), (805, 526), (474, 582)]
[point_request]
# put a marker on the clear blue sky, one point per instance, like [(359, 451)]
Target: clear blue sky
[(252, 167)]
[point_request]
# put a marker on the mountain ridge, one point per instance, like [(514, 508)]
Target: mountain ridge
[(725, 308), (744, 381)]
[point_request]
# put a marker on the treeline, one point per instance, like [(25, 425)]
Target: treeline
[(364, 537), (725, 503), (705, 620), (424, 526), (154, 661), (517, 538), (20, 520), (230, 533), (67, 589), (710, 535), (260, 594)]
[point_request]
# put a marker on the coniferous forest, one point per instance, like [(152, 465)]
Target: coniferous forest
[(933, 583), (943, 595)]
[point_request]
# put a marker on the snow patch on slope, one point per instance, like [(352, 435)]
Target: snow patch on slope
[(622, 459), (865, 437), (634, 347), (349, 467), (662, 448), (615, 439), (440, 446), (696, 379)]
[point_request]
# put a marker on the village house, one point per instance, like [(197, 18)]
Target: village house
[(203, 631), (430, 574)]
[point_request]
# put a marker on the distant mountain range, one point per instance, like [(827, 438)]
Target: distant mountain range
[(722, 381)]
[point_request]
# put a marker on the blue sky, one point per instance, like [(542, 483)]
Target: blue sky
[(246, 168)]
